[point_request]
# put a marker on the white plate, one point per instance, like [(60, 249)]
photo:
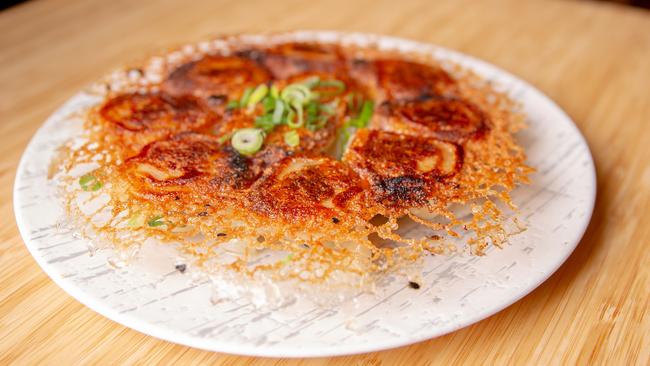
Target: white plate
[(457, 290)]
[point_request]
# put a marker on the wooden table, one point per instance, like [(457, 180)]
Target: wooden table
[(592, 58)]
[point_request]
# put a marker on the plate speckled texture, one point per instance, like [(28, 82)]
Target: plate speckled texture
[(457, 290)]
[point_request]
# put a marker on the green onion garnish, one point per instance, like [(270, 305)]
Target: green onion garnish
[(278, 112), (89, 183), (311, 82), (274, 92), (292, 138), (265, 122), (364, 115), (244, 98), (338, 85), (298, 121), (296, 95), (268, 104), (247, 141), (257, 95), (296, 105), (361, 121), (233, 104), (156, 221)]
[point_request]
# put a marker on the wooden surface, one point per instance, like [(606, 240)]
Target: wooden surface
[(592, 58)]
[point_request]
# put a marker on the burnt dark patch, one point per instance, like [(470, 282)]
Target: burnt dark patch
[(239, 171), (403, 190)]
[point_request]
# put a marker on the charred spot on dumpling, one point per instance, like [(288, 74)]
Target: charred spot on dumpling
[(233, 171), (403, 170), (138, 119), (449, 119), (189, 162), (400, 79), (215, 77), (301, 188), (398, 190), (292, 58)]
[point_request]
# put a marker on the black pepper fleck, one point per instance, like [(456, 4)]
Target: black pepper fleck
[(414, 285), (221, 234), (204, 213), (335, 220), (181, 268)]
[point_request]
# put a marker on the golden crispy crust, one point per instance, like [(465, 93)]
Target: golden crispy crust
[(394, 79), (301, 189), (444, 118), (133, 120), (403, 170), (293, 58), (189, 163), (215, 77)]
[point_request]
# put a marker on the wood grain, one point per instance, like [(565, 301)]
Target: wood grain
[(593, 59)]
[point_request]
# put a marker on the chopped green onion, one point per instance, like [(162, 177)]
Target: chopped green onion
[(257, 95), (244, 98), (361, 121), (274, 92), (278, 111), (315, 121), (328, 109), (156, 221), (337, 84), (311, 82), (292, 138), (265, 122), (364, 115), (291, 114), (296, 94), (353, 100), (247, 141), (295, 105), (89, 183), (268, 103), (298, 122), (233, 104)]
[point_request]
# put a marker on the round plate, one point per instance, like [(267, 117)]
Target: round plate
[(457, 290)]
